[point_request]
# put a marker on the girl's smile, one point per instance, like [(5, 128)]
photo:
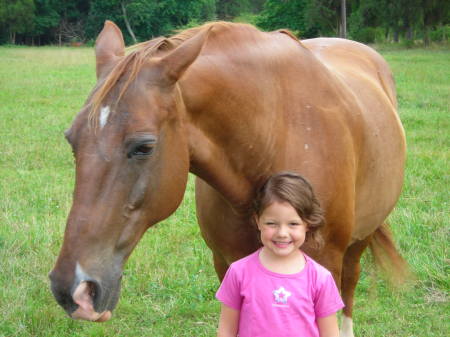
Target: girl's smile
[(282, 244)]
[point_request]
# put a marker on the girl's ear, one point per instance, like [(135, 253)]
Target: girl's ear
[(306, 225), (256, 219)]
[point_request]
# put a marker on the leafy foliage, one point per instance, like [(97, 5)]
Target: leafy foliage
[(16, 16), (283, 14), (65, 21)]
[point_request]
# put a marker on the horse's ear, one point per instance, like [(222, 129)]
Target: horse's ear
[(109, 47), (177, 61)]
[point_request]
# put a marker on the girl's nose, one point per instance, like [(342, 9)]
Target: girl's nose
[(282, 231)]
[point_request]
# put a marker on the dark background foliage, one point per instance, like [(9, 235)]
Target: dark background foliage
[(40, 22)]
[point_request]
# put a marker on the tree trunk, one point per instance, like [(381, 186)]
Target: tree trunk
[(12, 37), (124, 11), (426, 36), (409, 33), (343, 32)]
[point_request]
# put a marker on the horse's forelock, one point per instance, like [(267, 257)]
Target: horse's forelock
[(132, 62)]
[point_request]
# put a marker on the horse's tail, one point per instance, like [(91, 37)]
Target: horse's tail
[(387, 257)]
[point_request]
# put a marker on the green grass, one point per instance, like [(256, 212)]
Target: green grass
[(169, 282)]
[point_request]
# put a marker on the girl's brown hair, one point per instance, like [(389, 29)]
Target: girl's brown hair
[(297, 191)]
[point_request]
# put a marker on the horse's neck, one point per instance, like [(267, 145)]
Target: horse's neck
[(229, 148), (231, 170)]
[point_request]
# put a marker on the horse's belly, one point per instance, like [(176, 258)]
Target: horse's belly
[(381, 171)]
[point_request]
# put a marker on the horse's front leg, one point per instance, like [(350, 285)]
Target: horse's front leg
[(229, 234)]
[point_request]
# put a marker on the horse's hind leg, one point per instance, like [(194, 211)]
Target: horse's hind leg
[(350, 276)]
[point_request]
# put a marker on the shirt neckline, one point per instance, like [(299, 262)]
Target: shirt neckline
[(272, 273)]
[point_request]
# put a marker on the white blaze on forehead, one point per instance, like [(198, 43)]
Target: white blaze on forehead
[(104, 114), (347, 327)]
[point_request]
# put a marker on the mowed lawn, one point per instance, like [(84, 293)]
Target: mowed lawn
[(169, 282)]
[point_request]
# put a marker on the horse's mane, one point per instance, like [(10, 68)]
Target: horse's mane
[(135, 59), (138, 54)]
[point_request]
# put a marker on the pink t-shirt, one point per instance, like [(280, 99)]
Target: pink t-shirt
[(273, 304)]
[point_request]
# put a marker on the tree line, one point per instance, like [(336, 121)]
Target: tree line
[(41, 22)]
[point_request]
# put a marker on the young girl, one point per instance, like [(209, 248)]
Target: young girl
[(279, 290)]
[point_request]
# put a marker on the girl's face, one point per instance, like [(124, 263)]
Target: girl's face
[(282, 229)]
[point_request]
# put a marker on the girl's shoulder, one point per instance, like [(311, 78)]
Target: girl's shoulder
[(245, 262), (245, 268), (316, 270)]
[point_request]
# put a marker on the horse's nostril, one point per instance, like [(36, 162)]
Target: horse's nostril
[(87, 295), (92, 289)]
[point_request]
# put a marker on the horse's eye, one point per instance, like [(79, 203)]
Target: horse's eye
[(142, 150)]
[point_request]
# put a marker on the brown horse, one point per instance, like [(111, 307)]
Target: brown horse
[(232, 105)]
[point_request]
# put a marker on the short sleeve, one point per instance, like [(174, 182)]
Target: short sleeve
[(229, 292), (327, 300)]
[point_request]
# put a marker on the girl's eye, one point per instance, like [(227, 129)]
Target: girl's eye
[(294, 224), (270, 223)]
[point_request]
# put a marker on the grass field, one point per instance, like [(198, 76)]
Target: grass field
[(169, 283)]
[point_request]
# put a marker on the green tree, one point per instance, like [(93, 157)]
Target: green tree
[(285, 14), (72, 21), (148, 18), (99, 11), (325, 16), (256, 6), (411, 17), (229, 9), (46, 20), (435, 14), (308, 17), (365, 16), (16, 17)]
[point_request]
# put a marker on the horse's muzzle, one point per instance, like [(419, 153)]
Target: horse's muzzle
[(85, 297)]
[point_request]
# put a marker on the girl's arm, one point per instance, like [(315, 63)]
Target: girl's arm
[(328, 326), (229, 322)]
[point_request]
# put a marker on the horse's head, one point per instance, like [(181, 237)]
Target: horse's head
[(132, 163)]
